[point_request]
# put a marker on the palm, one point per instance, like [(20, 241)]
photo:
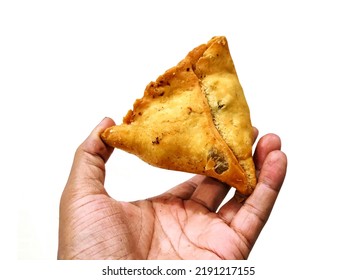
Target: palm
[(188, 230)]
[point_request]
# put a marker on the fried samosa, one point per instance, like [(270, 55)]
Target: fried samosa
[(193, 118)]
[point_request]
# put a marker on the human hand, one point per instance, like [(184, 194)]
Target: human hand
[(183, 223)]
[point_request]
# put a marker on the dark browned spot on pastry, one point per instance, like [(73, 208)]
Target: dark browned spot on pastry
[(162, 83), (156, 141), (220, 104), (189, 110), (221, 165), (188, 69), (162, 93)]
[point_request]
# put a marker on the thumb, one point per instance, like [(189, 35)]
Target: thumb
[(88, 170)]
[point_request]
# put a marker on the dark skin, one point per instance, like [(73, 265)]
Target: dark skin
[(182, 223)]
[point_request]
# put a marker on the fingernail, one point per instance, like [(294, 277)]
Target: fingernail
[(103, 119)]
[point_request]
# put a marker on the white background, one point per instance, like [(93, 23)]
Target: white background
[(67, 64)]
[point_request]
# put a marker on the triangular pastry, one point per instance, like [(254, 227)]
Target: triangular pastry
[(195, 119)]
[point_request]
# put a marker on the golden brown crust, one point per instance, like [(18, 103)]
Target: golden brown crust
[(176, 125), (231, 115)]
